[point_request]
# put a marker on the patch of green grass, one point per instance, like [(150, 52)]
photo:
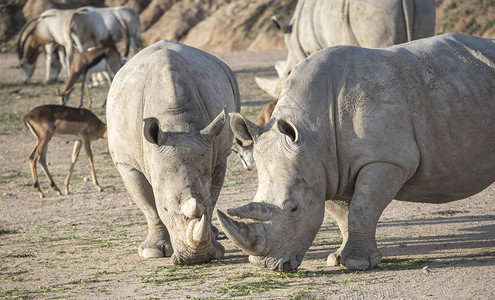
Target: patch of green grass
[(449, 212), (402, 264), (169, 277), (14, 276), (269, 275), (244, 289), (300, 295), (233, 183), (8, 231), (8, 177)]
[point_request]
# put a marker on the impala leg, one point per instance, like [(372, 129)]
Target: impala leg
[(89, 94), (85, 77), (157, 243), (87, 148), (33, 160), (75, 155), (42, 158)]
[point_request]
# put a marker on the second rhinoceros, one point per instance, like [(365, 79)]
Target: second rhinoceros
[(355, 128), (166, 118)]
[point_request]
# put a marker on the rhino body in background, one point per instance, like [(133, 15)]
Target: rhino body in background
[(355, 128), (166, 112), (318, 24)]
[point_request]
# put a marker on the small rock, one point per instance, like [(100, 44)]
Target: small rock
[(426, 269)]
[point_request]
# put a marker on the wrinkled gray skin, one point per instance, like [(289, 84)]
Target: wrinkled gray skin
[(116, 16), (359, 127), (168, 137), (317, 24)]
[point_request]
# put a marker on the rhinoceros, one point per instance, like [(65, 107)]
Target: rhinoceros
[(355, 128), (167, 136), (317, 24)]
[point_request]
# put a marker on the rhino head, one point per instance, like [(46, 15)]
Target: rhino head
[(277, 228), (181, 170)]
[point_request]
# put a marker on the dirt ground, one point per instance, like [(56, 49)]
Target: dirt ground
[(84, 246)]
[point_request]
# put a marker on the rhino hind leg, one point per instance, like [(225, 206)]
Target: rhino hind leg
[(376, 185), (157, 243), (339, 210)]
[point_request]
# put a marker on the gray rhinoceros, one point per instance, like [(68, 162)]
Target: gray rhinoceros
[(317, 24), (166, 112), (359, 127)]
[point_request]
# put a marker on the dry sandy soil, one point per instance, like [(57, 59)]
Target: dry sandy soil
[(84, 245)]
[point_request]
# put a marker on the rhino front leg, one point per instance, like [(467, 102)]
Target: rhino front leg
[(339, 210), (157, 243), (216, 186), (376, 186)]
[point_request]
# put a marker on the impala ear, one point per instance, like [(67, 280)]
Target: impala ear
[(288, 128), (151, 130)]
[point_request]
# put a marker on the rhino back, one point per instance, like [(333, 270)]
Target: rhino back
[(183, 87), (426, 106), (366, 23)]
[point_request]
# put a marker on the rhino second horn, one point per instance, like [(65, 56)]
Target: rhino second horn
[(192, 208), (251, 238)]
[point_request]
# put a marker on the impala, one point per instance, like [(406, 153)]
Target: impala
[(245, 148), (48, 120), (105, 60)]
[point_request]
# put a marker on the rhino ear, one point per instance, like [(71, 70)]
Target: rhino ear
[(243, 129), (288, 128), (214, 128), (151, 130)]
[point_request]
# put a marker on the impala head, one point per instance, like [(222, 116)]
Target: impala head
[(181, 183), (63, 96), (287, 211), (244, 150)]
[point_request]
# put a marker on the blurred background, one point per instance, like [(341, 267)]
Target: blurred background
[(228, 25)]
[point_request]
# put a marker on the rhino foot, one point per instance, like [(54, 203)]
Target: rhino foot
[(333, 259), (154, 250), (360, 262)]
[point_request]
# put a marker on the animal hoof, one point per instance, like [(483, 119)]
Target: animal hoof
[(333, 260), (150, 253), (356, 263)]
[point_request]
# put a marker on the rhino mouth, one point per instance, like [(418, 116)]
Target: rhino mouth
[(199, 244)]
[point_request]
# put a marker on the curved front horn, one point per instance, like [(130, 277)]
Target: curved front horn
[(256, 211), (20, 45), (198, 232), (251, 238)]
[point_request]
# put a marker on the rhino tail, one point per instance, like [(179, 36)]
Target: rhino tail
[(408, 9)]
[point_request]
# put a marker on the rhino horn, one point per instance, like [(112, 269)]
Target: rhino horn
[(272, 86), (198, 233), (251, 238), (255, 210)]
